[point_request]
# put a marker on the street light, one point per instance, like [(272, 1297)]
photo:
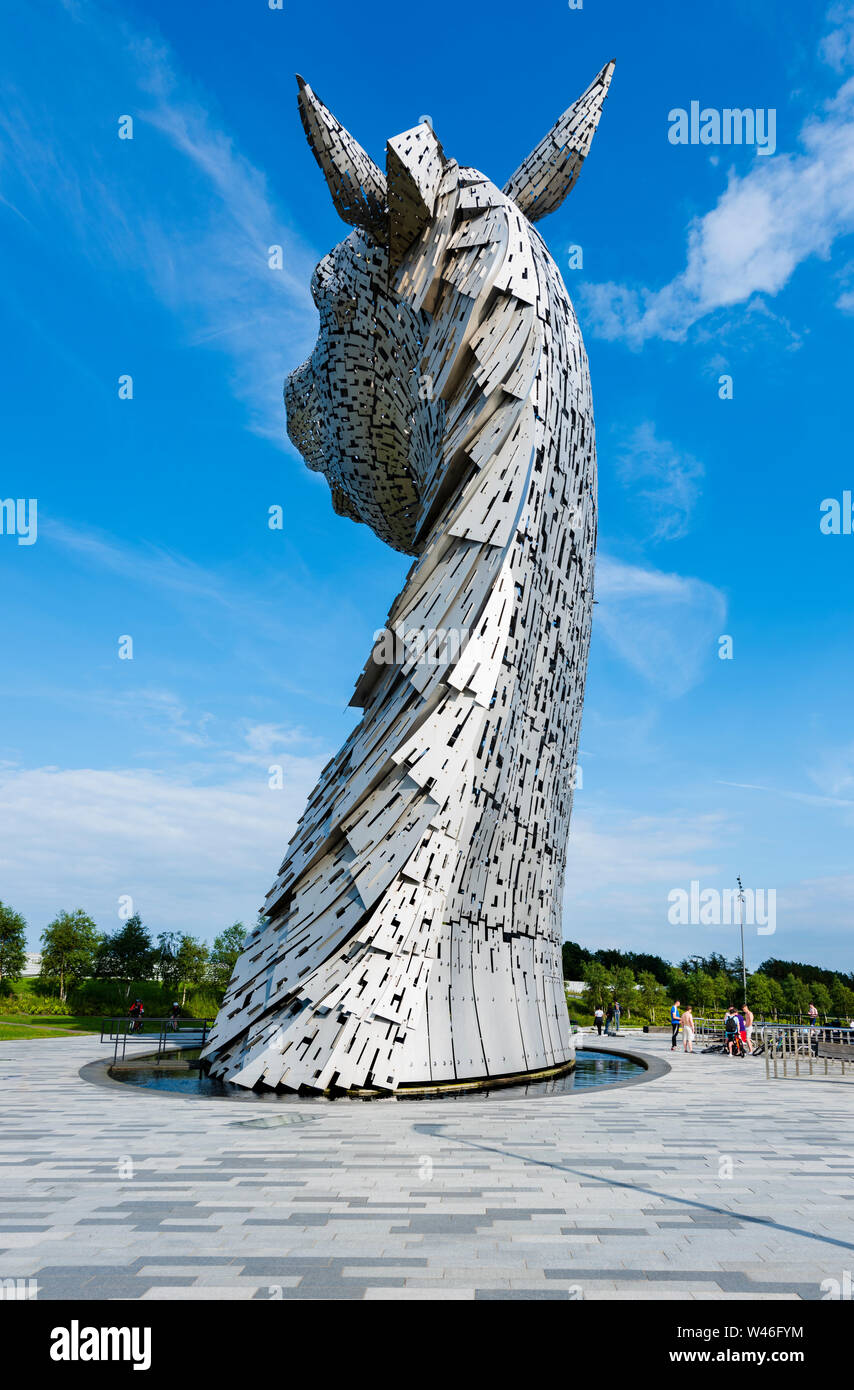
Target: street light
[(741, 924)]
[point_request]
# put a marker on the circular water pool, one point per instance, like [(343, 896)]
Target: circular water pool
[(591, 1069)]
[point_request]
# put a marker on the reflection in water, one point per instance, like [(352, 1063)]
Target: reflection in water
[(591, 1069)]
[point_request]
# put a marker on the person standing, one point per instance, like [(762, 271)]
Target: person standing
[(609, 1020), (748, 1017), (730, 1028), (675, 1020), (688, 1029), (813, 1013), (742, 1031), (616, 1015), (599, 1019)]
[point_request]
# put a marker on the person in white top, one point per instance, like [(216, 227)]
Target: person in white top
[(599, 1016)]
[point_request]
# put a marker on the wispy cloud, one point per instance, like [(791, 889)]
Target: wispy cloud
[(621, 867), (664, 478), (808, 798), (833, 770), (204, 253), (193, 856), (257, 626), (664, 626), (784, 210)]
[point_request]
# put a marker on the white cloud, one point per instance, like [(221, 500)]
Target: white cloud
[(662, 477), (784, 210), (837, 48), (266, 741), (194, 857), (665, 626)]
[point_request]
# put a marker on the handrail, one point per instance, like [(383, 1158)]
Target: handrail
[(122, 1029), (830, 1032)]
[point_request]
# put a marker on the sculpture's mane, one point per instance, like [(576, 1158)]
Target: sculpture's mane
[(470, 270)]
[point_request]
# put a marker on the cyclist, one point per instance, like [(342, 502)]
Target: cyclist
[(173, 1016), (136, 1011), (731, 1030)]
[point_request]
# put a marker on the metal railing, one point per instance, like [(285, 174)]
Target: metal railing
[(788, 1047), (120, 1031)]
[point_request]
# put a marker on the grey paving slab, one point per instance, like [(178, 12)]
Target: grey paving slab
[(709, 1182)]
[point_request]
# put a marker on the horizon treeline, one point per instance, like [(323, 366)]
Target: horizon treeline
[(643, 981), (75, 953)]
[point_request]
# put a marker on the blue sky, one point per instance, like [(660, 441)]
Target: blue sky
[(148, 257)]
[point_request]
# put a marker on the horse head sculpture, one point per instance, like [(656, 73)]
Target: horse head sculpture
[(412, 935)]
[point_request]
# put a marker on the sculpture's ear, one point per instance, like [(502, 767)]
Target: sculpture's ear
[(357, 184), (543, 180), (414, 166)]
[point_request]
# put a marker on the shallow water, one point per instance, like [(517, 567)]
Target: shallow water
[(591, 1069)]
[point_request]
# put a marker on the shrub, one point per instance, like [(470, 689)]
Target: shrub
[(29, 1003)]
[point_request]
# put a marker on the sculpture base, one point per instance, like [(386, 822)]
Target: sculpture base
[(483, 1083)]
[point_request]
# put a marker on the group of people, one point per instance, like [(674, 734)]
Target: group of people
[(137, 1010), (610, 1017), (738, 1029)]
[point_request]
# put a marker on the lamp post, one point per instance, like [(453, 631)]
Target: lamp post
[(741, 924)]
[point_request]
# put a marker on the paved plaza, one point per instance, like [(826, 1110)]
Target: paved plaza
[(708, 1182)]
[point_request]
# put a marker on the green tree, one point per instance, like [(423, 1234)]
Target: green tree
[(223, 958), (842, 998), (778, 998), (759, 995), (623, 985), (598, 982), (702, 991), (796, 993), (191, 964), (13, 944), (168, 946), (653, 995), (128, 954), (69, 944), (821, 998), (679, 987), (721, 990), (574, 957)]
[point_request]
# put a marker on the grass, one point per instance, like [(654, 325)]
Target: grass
[(55, 1021), (16, 1034)]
